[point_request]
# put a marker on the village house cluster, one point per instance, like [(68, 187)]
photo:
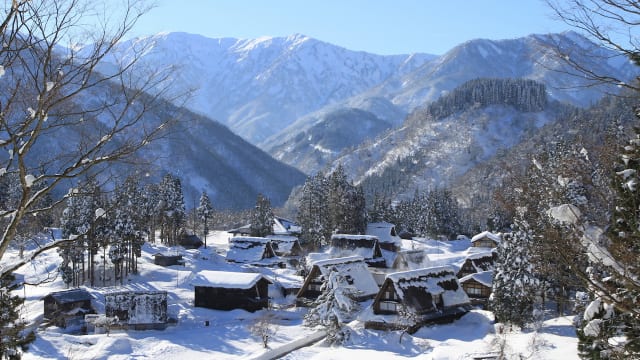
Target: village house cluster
[(400, 283)]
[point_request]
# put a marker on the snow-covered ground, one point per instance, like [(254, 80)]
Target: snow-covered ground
[(229, 335)]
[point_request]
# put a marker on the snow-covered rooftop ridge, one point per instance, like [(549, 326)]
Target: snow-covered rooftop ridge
[(354, 237), (483, 277), (282, 238), (336, 261), (411, 274), (487, 234), (251, 239), (480, 255), (382, 230), (226, 279), (71, 295)]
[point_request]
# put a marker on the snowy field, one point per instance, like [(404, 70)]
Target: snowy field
[(229, 335)]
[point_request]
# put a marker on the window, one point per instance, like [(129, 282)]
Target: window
[(388, 306), (315, 286), (475, 289), (389, 294)]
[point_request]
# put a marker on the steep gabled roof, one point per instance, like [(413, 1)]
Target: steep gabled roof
[(366, 246), (485, 278), (486, 234), (385, 232), (227, 279), (354, 269), (284, 245), (247, 249), (439, 280)]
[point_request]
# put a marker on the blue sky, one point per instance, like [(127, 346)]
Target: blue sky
[(377, 26)]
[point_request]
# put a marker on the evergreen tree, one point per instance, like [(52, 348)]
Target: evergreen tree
[(262, 217), (205, 213), (15, 337), (313, 214), (171, 208), (336, 305), (515, 285)]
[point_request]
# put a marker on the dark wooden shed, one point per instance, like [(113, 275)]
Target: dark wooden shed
[(167, 259), (64, 308), (224, 290)]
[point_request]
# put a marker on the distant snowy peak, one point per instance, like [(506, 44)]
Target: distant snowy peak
[(259, 86)]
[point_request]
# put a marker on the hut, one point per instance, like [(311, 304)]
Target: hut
[(366, 246), (353, 268), (223, 290), (137, 309), (251, 250), (164, 259), (66, 309), (486, 239), (478, 286), (429, 295), (477, 262)]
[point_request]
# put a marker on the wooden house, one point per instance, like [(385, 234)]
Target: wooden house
[(478, 286), (286, 245), (137, 309), (167, 259), (477, 262), (251, 250), (223, 290), (388, 240), (353, 268), (427, 295), (486, 239), (66, 309), (366, 246)]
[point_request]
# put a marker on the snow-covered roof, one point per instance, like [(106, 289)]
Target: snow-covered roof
[(485, 278), (480, 255), (284, 226), (344, 245), (383, 231), (413, 259), (486, 234), (226, 279), (245, 249), (434, 280), (72, 295), (282, 244), (355, 268)]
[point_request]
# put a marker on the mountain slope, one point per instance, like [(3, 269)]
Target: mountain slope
[(259, 86)]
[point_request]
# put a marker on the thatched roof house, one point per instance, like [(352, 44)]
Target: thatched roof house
[(478, 286), (224, 290), (427, 295), (486, 239), (285, 245), (365, 246), (353, 268), (251, 250), (477, 262)]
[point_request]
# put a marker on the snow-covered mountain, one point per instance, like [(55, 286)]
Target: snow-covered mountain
[(259, 86), (532, 57)]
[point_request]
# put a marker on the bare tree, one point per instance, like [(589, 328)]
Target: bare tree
[(53, 91), (611, 24)]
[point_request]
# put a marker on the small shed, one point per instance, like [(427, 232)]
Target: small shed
[(486, 239), (477, 262), (353, 268), (286, 245), (366, 246), (164, 259), (137, 309), (223, 290), (428, 295), (67, 308), (251, 250)]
